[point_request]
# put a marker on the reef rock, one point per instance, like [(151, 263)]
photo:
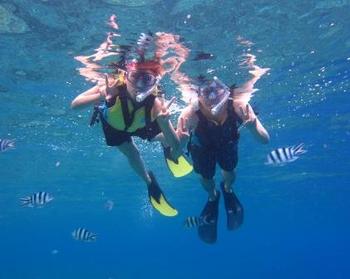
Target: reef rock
[(9, 23)]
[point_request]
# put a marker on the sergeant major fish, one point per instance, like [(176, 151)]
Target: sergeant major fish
[(37, 199), (83, 234), (6, 144), (192, 221), (283, 155)]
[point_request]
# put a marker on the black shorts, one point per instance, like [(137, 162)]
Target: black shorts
[(205, 158), (116, 137)]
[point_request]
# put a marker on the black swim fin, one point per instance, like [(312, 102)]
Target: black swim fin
[(234, 209), (178, 167), (158, 200), (207, 230)]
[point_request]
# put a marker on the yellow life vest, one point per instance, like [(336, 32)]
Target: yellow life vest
[(115, 114)]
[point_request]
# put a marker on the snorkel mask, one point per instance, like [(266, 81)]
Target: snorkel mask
[(144, 82), (214, 95), (144, 77)]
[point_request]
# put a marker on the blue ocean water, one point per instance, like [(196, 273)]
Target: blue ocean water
[(296, 216)]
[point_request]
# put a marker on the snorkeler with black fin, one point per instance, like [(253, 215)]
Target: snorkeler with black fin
[(211, 125)]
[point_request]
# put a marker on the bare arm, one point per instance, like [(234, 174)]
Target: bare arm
[(253, 124), (161, 113), (187, 122), (89, 96), (96, 93)]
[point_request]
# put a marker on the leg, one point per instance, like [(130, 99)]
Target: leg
[(234, 210), (204, 163), (229, 178), (227, 160), (209, 186), (155, 194), (133, 155), (126, 146)]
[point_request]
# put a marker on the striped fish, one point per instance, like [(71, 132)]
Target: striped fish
[(6, 144), (192, 221), (83, 234), (37, 199), (283, 155)]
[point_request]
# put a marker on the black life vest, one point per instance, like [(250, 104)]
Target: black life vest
[(211, 135)]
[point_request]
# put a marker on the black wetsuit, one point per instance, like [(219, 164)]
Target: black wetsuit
[(116, 137), (211, 143)]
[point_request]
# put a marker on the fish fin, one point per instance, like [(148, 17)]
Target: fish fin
[(298, 150), (93, 237), (25, 202), (292, 160), (12, 143)]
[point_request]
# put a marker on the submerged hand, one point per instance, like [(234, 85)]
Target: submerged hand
[(111, 90), (248, 119), (182, 131), (164, 113)]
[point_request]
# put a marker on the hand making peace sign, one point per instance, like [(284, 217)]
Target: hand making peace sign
[(111, 90), (248, 119)]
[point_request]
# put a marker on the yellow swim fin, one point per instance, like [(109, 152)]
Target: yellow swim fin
[(179, 167), (158, 200)]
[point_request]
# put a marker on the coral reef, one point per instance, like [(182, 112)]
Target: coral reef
[(9, 23)]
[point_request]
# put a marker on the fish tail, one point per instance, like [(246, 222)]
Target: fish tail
[(25, 202), (93, 237), (12, 143), (299, 149)]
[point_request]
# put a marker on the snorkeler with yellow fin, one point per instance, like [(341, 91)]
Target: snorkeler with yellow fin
[(129, 104)]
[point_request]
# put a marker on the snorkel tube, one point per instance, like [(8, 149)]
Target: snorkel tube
[(218, 107), (143, 95), (140, 97)]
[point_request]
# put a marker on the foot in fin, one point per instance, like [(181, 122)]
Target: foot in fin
[(179, 167), (158, 200), (234, 209), (207, 230)]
